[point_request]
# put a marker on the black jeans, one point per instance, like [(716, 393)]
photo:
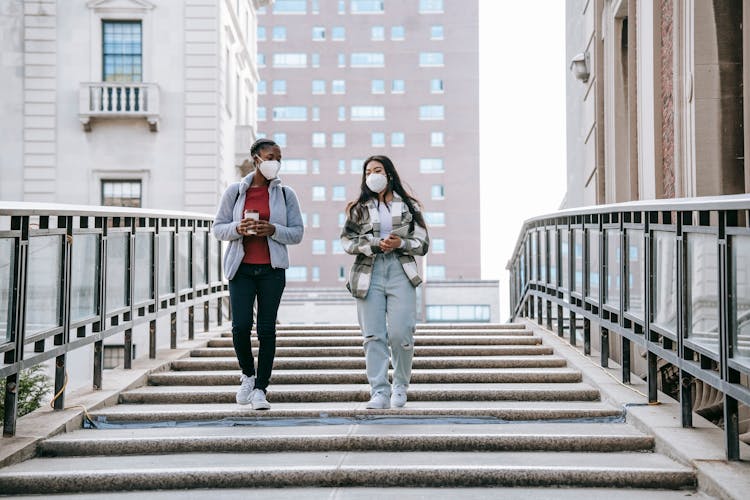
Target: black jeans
[(267, 284)]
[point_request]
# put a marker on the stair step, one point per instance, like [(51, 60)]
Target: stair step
[(421, 341), (358, 362), (420, 326), (461, 376), (503, 410), (346, 392), (326, 469), (362, 437), (501, 350), (418, 333)]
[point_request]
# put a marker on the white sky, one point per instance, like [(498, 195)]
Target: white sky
[(522, 123)]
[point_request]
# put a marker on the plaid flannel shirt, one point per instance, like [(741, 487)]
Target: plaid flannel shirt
[(362, 238)]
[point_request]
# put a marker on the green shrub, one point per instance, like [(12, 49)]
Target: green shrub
[(32, 387)]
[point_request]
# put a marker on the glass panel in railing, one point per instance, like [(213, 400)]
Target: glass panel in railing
[(183, 261), (578, 248), (636, 266), (213, 259), (552, 256), (543, 256), (43, 282), (665, 281), (84, 277), (534, 255), (118, 246), (593, 277), (703, 290), (199, 257), (166, 263), (564, 259), (741, 265), (144, 250), (7, 256), (614, 263)]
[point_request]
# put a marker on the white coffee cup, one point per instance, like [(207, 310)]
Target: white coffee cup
[(252, 214)]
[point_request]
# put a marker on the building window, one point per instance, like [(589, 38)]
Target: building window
[(293, 166), (122, 57), (318, 33), (336, 247), (431, 59), (290, 60), (367, 60), (315, 114), (262, 87), (342, 166), (367, 7), (377, 33), (290, 7), (378, 139), (261, 34), (469, 313), (319, 140), (378, 86), (278, 87), (342, 219), (398, 139), (315, 219), (261, 60), (315, 6), (338, 87), (342, 273), (437, 139), (342, 60), (432, 112), (280, 139), (368, 113), (431, 165), (290, 113), (435, 272), (338, 34), (296, 273), (338, 193), (437, 245), (397, 33), (121, 193), (318, 86), (436, 86), (437, 192), (436, 32), (315, 273), (315, 166), (261, 113), (342, 7), (356, 166), (319, 247), (338, 139), (304, 219), (435, 218), (342, 113), (315, 60), (398, 87), (279, 33), (319, 193), (430, 6)]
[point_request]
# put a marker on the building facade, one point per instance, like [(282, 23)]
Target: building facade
[(343, 80), (126, 102)]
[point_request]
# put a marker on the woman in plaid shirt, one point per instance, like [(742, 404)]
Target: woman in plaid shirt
[(385, 229)]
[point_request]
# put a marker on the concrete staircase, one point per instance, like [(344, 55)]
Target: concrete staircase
[(489, 406)]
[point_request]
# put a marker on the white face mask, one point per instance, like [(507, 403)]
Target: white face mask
[(269, 168), (376, 182)]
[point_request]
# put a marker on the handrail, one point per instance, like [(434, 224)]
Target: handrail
[(658, 274), (74, 275)]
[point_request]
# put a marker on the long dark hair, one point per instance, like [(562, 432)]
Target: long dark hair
[(394, 184)]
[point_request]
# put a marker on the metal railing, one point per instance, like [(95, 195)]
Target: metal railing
[(72, 275), (119, 100), (671, 276)]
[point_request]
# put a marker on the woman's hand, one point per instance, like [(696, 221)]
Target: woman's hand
[(262, 227), (390, 243)]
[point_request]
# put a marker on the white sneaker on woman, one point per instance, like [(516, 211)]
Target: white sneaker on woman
[(247, 384), (259, 400), (398, 397), (378, 401)]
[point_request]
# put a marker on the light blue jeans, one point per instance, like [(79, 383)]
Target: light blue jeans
[(388, 317)]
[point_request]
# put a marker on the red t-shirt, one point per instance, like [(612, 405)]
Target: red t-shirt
[(256, 247)]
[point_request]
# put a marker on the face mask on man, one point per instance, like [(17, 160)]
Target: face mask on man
[(269, 168), (376, 182)]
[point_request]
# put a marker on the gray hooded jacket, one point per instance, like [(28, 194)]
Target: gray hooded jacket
[(285, 216)]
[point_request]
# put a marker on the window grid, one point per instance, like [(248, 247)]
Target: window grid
[(122, 58), (121, 193)]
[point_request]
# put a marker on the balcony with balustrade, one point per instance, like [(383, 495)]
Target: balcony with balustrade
[(118, 100)]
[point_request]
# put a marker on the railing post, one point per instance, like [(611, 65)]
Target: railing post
[(625, 360), (191, 322), (604, 351), (128, 355), (11, 405), (152, 339), (560, 321), (686, 380), (64, 337), (98, 364), (586, 336), (539, 310), (173, 330), (101, 325), (219, 313), (651, 360), (572, 327), (205, 315), (549, 315)]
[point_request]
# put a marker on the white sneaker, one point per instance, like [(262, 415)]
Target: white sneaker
[(378, 401), (398, 397), (258, 398), (247, 384)]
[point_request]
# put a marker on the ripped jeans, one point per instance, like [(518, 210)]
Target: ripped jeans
[(388, 317)]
